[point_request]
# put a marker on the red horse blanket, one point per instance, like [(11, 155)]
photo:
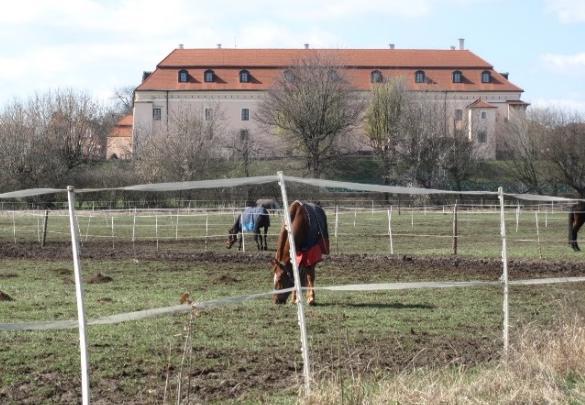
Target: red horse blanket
[(316, 243)]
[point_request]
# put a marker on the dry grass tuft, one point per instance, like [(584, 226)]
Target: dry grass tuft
[(544, 366)]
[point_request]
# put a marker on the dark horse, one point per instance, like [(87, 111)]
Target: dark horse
[(254, 219), (309, 227), (576, 220)]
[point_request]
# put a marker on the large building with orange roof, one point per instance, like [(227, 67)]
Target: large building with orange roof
[(234, 81)]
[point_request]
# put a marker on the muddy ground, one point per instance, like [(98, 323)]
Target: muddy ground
[(273, 369), (419, 266)]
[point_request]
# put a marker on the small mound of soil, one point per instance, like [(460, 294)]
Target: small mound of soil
[(8, 275), (226, 278), (5, 297), (105, 300), (100, 278)]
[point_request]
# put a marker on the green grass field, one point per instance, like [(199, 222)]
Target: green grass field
[(250, 352), (361, 231)]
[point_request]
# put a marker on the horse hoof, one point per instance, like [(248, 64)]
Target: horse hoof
[(312, 303)]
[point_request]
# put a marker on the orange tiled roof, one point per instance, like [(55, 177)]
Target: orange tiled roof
[(123, 128), (479, 103), (266, 65)]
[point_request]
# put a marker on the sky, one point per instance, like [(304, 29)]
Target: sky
[(98, 46)]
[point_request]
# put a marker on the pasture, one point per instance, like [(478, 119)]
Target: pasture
[(250, 352)]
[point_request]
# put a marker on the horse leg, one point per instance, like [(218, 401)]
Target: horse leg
[(310, 281), (240, 240), (303, 277), (576, 228), (265, 240), (258, 244), (573, 228)]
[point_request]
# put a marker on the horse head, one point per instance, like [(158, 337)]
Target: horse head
[(283, 278)]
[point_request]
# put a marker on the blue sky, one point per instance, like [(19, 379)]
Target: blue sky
[(97, 46)]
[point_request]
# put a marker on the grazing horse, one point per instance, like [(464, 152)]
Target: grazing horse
[(311, 237), (254, 218), (576, 220)]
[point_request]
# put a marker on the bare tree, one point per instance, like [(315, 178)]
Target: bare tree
[(423, 143), (459, 160), (566, 149), (27, 158), (184, 151), (313, 104), (123, 100), (525, 142), (244, 145), (384, 121), (76, 124)]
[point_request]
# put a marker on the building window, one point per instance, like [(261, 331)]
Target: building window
[(419, 76), (208, 114), (209, 76), (244, 76), (486, 77), (156, 114), (458, 115), (245, 114), (376, 76), (481, 137), (457, 77), (243, 135), (183, 76), (288, 75), (483, 115)]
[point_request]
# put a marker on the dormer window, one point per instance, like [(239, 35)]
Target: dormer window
[(486, 76), (457, 76), (376, 76), (419, 76), (244, 76), (183, 76), (209, 76)]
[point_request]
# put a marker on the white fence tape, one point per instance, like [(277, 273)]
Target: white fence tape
[(178, 309), (243, 181)]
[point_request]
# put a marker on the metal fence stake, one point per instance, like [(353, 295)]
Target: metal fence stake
[(504, 278), (79, 296), (297, 278)]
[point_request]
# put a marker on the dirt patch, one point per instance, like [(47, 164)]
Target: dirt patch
[(100, 278), (406, 266), (105, 300), (5, 297), (8, 275)]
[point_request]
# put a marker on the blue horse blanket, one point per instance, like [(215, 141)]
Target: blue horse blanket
[(250, 220)]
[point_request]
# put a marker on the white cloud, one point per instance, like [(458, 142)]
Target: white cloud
[(567, 11), (574, 63)]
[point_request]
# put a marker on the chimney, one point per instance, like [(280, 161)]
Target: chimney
[(505, 74), (452, 48), (461, 44), (391, 46), (218, 46), (180, 46), (306, 46), (145, 75)]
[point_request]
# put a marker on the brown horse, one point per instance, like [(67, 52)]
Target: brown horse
[(576, 220), (309, 227)]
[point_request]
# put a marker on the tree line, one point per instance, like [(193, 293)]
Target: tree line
[(59, 138)]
